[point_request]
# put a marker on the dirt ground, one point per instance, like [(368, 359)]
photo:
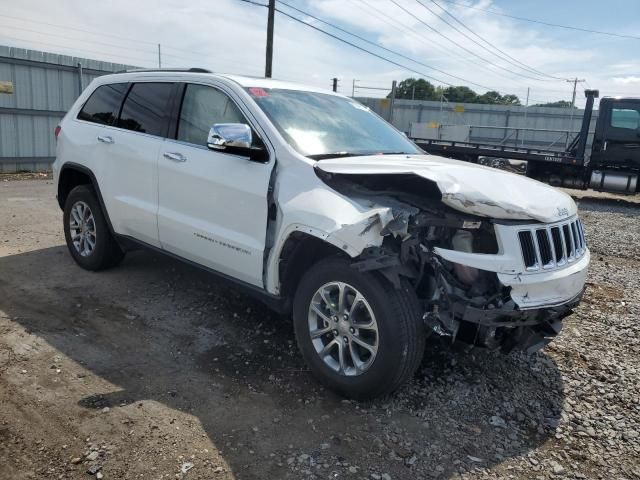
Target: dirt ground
[(156, 370)]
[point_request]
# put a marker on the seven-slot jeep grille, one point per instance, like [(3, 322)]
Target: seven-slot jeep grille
[(552, 246)]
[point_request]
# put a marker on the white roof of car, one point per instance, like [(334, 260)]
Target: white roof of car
[(271, 83), (243, 81), (262, 82)]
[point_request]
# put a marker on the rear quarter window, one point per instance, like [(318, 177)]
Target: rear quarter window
[(103, 104), (145, 108)]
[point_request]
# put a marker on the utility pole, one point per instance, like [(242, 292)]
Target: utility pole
[(80, 79), (353, 88), (393, 100), (575, 82), (334, 85), (269, 59), (159, 57), (526, 107)]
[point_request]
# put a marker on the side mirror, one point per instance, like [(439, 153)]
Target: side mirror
[(232, 136), (237, 139)]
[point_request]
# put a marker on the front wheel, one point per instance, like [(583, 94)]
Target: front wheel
[(360, 336)]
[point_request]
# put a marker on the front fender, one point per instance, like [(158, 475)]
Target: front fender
[(351, 239), (349, 223)]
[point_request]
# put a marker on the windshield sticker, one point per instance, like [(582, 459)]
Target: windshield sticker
[(258, 92)]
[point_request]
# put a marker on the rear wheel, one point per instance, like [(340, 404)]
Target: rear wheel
[(359, 336), (89, 240)]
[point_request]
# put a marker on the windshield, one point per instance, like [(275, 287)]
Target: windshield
[(319, 125)]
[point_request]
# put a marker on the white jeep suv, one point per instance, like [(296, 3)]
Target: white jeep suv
[(326, 211)]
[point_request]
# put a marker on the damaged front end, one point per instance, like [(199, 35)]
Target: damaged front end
[(462, 300)]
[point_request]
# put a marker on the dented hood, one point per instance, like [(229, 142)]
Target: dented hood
[(467, 187)]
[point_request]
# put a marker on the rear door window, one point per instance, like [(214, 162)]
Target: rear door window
[(103, 104), (203, 106), (146, 107)]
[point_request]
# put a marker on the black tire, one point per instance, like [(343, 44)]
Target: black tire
[(106, 252), (401, 331)]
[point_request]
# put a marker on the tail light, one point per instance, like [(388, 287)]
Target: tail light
[(56, 132)]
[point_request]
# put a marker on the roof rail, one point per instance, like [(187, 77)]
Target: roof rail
[(192, 70)]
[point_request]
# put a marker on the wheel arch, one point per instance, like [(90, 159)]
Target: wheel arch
[(299, 252), (73, 174)]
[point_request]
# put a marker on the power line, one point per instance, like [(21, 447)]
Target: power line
[(475, 42), (133, 60), (388, 60), (522, 65), (365, 50), (373, 11), (355, 45), (190, 54), (78, 29), (255, 3), (101, 34), (382, 47), (151, 52), (462, 46), (351, 44), (549, 24), (94, 52)]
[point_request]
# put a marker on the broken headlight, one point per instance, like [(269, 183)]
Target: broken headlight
[(462, 241), (478, 240)]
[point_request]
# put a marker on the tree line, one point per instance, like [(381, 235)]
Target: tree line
[(421, 89)]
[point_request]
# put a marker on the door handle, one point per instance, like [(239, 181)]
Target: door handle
[(105, 139), (175, 157)]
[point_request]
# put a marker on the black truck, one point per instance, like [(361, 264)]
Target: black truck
[(612, 165)]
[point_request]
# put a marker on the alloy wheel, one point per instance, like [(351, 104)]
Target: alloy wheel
[(82, 228), (343, 328)]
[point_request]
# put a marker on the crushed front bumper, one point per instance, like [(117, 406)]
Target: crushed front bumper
[(510, 315), (547, 289), (528, 318), (510, 327)]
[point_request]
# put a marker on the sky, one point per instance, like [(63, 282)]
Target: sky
[(477, 48)]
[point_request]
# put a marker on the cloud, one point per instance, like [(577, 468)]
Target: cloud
[(470, 57), (229, 35), (616, 67), (627, 80)]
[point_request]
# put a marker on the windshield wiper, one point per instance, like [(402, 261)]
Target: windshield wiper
[(326, 156), (397, 153)]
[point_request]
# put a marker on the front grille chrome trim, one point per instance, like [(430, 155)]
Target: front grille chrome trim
[(541, 251)]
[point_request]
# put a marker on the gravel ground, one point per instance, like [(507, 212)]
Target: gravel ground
[(156, 370)]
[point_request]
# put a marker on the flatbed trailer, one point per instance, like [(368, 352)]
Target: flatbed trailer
[(613, 164), (475, 150)]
